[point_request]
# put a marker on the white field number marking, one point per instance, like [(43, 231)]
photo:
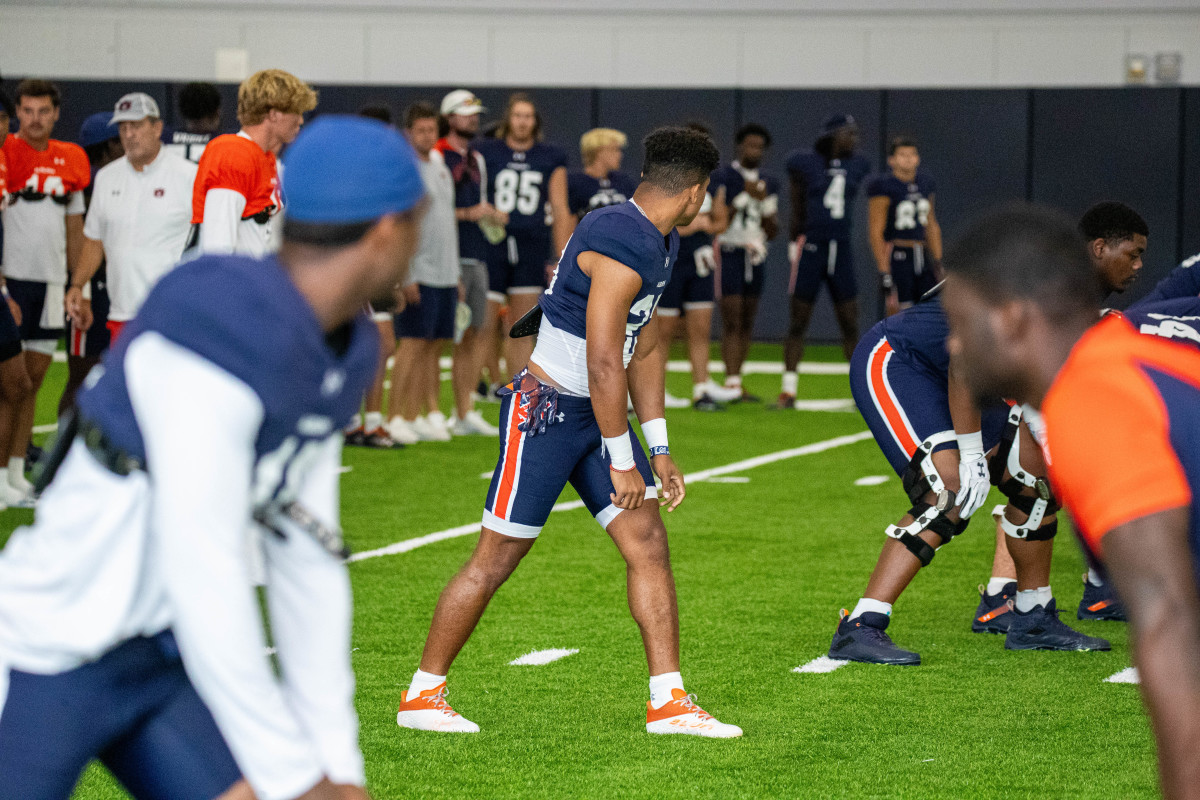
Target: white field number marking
[(821, 664), (539, 657), (1129, 675)]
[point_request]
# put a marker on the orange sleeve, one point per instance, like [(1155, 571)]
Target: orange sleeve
[(1111, 456), (222, 166), (80, 168)]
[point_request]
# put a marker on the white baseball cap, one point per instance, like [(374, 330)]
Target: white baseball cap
[(133, 107), (460, 101)]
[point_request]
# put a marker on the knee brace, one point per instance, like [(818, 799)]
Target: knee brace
[(919, 478), (1026, 492)]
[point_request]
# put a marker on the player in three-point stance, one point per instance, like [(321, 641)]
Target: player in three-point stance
[(1020, 300), (563, 419), (213, 426)]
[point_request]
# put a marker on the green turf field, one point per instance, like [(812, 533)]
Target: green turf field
[(762, 568)]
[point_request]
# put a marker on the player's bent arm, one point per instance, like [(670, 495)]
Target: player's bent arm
[(222, 212), (646, 373), (310, 608), (1150, 564), (933, 233), (799, 191), (564, 220), (613, 288), (877, 211), (199, 424)]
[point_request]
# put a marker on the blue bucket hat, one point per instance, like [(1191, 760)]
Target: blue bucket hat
[(96, 129)]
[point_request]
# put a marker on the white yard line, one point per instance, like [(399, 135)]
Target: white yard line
[(702, 475), (871, 480), (538, 658), (51, 428), (1128, 675), (821, 664)]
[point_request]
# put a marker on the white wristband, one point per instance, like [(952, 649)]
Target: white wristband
[(970, 446), (620, 452), (655, 431)]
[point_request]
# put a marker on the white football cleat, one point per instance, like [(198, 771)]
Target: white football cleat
[(671, 401), (429, 431), (429, 711), (401, 431), (682, 715), (473, 424), (722, 394)]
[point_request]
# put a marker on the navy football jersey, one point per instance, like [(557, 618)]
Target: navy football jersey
[(1183, 281), (745, 212), (189, 145), (468, 192), (1177, 319), (908, 205), (918, 335), (624, 234), (832, 187), (266, 335), (585, 193), (518, 182)]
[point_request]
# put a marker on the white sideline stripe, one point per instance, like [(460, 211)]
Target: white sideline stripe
[(821, 664), (748, 368), (1128, 675), (729, 479), (60, 356), (702, 475), (51, 428), (824, 405), (537, 658), (871, 480)]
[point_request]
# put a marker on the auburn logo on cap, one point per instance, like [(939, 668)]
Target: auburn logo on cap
[(125, 105)]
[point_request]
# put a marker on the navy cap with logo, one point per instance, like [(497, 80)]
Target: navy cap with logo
[(345, 169), (837, 122)]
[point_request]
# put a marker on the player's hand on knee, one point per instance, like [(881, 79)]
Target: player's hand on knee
[(673, 490), (974, 485), (630, 489)]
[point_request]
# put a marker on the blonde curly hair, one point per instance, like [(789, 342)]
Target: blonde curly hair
[(273, 89)]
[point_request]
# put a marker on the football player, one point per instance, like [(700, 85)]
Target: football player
[(564, 420), (527, 180), (200, 110), (1183, 281), (600, 183), (236, 201), (902, 225), (752, 197), (214, 427), (1023, 324), (824, 185), (43, 234)]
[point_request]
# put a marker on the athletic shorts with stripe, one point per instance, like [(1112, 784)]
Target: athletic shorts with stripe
[(903, 405), (912, 273), (532, 470), (96, 339), (739, 278), (824, 262)]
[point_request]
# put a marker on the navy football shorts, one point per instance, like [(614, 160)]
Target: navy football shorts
[(432, 318), (10, 334), (518, 264), (95, 340), (825, 262), (532, 470), (904, 406), (134, 709), (739, 278), (912, 275), (31, 297), (691, 284)]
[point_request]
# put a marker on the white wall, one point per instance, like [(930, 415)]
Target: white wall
[(718, 43)]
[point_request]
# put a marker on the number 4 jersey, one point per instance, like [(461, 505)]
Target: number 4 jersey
[(624, 234), (831, 186), (519, 181), (909, 203)]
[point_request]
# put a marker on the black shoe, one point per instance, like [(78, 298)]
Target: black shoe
[(356, 437), (33, 454), (1100, 602), (784, 402), (379, 439), (706, 403), (749, 398), (992, 615), (863, 639), (1041, 629)]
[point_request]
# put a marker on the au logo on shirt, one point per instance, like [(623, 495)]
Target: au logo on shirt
[(159, 192)]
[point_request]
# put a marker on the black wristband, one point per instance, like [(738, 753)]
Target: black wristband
[(661, 450)]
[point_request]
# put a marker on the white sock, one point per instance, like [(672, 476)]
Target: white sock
[(355, 422), (661, 687), (373, 420), (16, 475), (1093, 578), (791, 381), (996, 585), (867, 604), (733, 380), (1030, 599), (423, 682), (698, 390)]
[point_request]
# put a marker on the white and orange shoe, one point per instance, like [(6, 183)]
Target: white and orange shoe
[(682, 715), (429, 711)]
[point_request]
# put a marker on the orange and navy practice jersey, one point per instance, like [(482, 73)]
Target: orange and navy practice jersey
[(44, 187), (57, 171), (237, 163), (1123, 431)]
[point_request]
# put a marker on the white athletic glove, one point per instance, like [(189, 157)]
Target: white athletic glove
[(973, 477), (706, 261)]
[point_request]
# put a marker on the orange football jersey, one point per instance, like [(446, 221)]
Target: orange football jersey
[(236, 162), (57, 171)]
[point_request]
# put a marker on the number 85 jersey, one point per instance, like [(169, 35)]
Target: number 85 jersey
[(624, 234), (908, 205), (519, 181)]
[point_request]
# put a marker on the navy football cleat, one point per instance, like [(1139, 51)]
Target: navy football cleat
[(1041, 629), (1100, 602), (706, 403), (993, 615), (863, 639)]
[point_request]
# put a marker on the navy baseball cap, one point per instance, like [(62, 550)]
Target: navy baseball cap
[(346, 169), (96, 129), (837, 122)]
